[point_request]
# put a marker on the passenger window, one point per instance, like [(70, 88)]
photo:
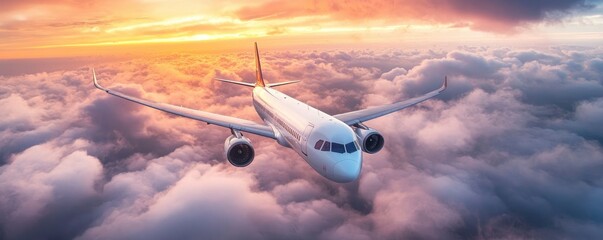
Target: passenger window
[(318, 144), (351, 147), (337, 147), (326, 147)]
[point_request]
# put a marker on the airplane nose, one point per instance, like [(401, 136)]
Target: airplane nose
[(346, 171)]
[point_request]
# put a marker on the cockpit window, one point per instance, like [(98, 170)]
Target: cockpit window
[(337, 147), (318, 144), (351, 147), (326, 147)]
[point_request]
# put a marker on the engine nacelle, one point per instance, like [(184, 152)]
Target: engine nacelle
[(371, 141), (239, 151)]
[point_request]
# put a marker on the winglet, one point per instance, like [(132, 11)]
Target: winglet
[(96, 81), (258, 69), (444, 84)]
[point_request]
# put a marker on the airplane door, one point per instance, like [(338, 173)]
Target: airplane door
[(304, 142)]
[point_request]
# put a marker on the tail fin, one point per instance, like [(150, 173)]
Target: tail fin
[(259, 79)]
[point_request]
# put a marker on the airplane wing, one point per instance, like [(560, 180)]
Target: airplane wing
[(351, 118), (210, 118)]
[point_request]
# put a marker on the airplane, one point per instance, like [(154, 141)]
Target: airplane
[(331, 144)]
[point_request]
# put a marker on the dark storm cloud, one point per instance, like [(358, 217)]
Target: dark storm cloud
[(494, 16), (511, 150)]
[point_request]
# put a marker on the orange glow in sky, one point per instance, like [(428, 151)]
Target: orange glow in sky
[(34, 28)]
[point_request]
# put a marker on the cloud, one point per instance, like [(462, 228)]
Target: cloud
[(12, 4), (511, 150), (226, 210), (586, 119), (53, 198), (493, 16)]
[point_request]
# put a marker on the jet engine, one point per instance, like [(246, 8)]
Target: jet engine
[(239, 150), (370, 140)]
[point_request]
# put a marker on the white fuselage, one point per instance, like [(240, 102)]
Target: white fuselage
[(327, 144)]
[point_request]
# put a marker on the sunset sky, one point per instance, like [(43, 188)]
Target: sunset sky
[(513, 149), (34, 28)]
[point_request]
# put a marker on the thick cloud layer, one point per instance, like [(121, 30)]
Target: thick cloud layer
[(511, 150)]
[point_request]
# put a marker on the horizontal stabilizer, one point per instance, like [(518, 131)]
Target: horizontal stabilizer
[(253, 85), (235, 82), (281, 83)]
